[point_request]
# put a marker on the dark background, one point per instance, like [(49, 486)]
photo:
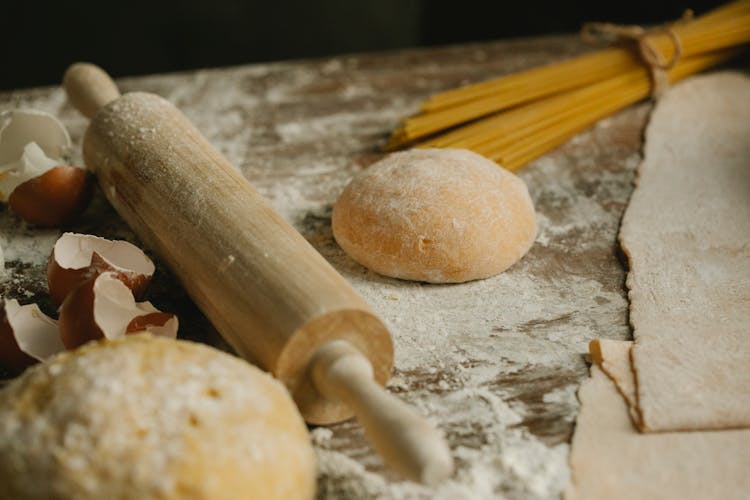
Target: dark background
[(39, 39)]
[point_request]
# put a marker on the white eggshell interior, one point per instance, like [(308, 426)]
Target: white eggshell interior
[(36, 334), (74, 251), (114, 306), (19, 127)]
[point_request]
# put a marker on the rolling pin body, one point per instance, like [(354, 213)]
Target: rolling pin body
[(266, 290)]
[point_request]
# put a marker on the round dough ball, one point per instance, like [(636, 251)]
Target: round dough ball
[(435, 215), (151, 418)]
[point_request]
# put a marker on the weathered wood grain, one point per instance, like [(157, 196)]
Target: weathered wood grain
[(495, 363)]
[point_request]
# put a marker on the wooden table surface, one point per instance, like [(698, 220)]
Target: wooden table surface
[(496, 363)]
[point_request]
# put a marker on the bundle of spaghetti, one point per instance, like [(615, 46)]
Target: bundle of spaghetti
[(522, 134), (554, 88)]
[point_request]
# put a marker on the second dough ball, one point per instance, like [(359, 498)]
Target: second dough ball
[(435, 215), (151, 419)]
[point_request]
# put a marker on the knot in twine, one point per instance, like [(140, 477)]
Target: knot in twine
[(640, 37)]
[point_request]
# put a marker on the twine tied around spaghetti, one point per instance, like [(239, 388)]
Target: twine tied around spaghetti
[(640, 37)]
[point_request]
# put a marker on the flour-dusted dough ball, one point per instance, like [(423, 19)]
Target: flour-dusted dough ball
[(435, 215), (151, 418)]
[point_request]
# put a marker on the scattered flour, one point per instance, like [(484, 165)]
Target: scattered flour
[(321, 435), (472, 357), (28, 246)]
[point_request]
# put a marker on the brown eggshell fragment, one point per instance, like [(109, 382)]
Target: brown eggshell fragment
[(27, 335), (53, 198), (76, 318), (78, 257), (156, 323), (104, 307), (11, 355)]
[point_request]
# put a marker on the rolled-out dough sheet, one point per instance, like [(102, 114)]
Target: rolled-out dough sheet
[(611, 460), (687, 235)]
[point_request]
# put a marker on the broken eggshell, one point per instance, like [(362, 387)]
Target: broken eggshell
[(31, 142), (34, 179), (78, 257), (53, 198), (104, 307), (19, 127), (27, 335)]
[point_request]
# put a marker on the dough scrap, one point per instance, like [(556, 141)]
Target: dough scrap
[(686, 232), (613, 358), (611, 460)]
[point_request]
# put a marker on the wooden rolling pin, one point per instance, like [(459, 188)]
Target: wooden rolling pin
[(264, 287)]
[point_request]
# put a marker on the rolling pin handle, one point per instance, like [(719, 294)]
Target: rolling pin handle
[(89, 88), (406, 441)]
